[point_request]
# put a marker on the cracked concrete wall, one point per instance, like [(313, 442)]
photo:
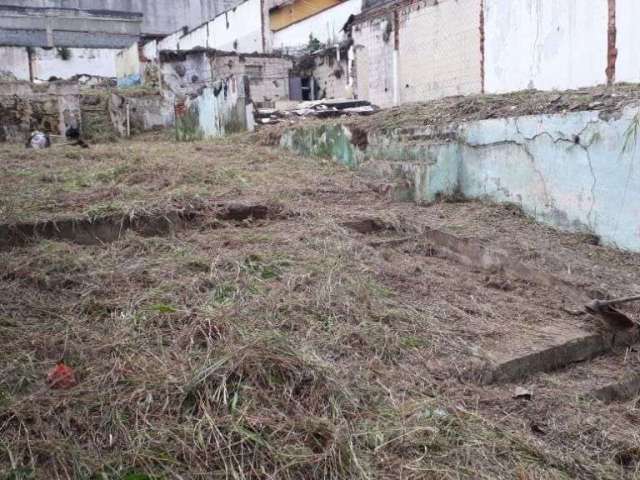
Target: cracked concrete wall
[(579, 171)]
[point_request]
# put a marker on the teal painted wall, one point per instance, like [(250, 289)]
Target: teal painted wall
[(216, 112), (577, 171), (331, 141)]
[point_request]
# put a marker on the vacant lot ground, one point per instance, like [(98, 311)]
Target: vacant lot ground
[(235, 311)]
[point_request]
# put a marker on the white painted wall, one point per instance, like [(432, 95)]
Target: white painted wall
[(545, 44), (374, 64), (15, 61), (242, 26), (239, 29), (91, 61), (128, 62), (198, 38), (170, 42), (150, 50), (326, 26), (628, 42)]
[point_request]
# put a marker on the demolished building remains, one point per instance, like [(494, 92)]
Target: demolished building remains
[(385, 52)]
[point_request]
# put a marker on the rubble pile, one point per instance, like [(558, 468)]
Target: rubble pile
[(315, 109)]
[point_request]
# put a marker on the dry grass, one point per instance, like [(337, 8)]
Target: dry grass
[(283, 348), (67, 181), (450, 111)]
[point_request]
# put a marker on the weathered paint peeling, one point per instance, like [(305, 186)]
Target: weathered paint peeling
[(577, 171), (216, 111), (333, 141)]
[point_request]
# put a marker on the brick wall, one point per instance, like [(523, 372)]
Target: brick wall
[(268, 76), (49, 107), (439, 50), (330, 75)]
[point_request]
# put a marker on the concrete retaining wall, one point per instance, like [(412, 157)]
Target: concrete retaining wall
[(53, 107), (579, 171)]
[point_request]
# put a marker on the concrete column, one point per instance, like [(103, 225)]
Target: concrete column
[(396, 57), (396, 79)]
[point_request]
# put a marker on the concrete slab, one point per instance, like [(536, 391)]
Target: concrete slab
[(549, 349), (626, 389), (531, 331)]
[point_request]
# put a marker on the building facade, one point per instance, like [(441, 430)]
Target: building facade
[(160, 17), (41, 43), (419, 50)]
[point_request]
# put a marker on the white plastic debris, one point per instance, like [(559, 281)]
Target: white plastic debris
[(39, 140)]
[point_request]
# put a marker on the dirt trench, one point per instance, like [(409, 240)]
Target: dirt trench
[(86, 231)]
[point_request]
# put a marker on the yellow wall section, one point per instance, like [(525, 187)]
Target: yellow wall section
[(286, 15)]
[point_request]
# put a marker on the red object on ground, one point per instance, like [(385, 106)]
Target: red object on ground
[(61, 377)]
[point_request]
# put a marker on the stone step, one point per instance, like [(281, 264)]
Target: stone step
[(427, 135), (558, 350), (620, 391), (611, 377)]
